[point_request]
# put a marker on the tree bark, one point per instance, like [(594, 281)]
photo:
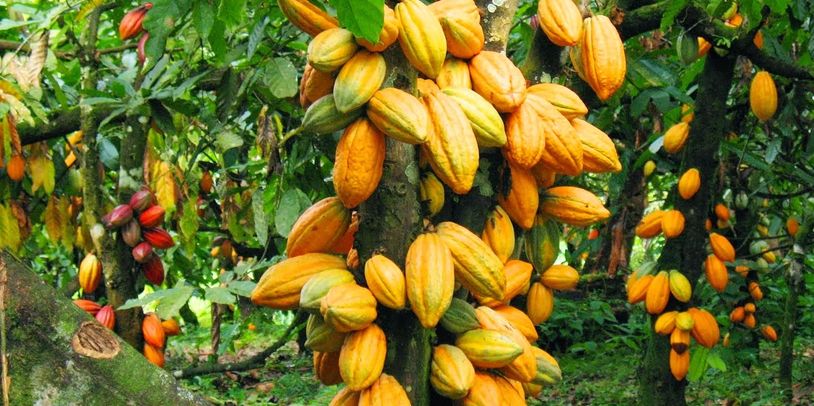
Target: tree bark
[(687, 252), (59, 355)]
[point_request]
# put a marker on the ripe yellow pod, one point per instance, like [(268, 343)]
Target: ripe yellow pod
[(387, 36), (360, 77), (637, 290), (498, 80), (329, 50), (431, 192), (572, 205), (602, 56), (318, 227), (687, 113), (519, 320), (560, 277), (511, 391), (430, 278), (486, 122), (399, 115), (90, 273), (658, 293), (539, 303), (386, 281), (463, 33), (650, 225), (680, 286), (705, 329), (498, 233), (763, 96), (345, 397), (326, 367), (485, 391), (755, 291), (679, 364), (672, 223), (421, 37), (361, 359), (684, 321), (525, 135), (679, 340), (721, 247), (280, 285), (314, 85), (563, 147), (665, 323), (561, 21), (675, 137), (488, 348), (649, 168), (348, 307), (689, 183), (522, 201), (598, 151), (742, 270), (359, 162), (565, 100), (544, 177), (454, 73), (715, 271), (307, 17), (451, 373), (703, 47), (385, 391), (518, 279), (477, 268)]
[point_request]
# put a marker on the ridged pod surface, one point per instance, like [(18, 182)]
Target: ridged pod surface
[(280, 285), (154, 354), (721, 247), (318, 286), (454, 73), (326, 367), (511, 391), (560, 277), (572, 205), (684, 321), (679, 364), (358, 80), (306, 16), (451, 373), (152, 331), (689, 183), (539, 303), (658, 293), (525, 134), (359, 162), (348, 307), (763, 96), (737, 314), (705, 331), (431, 192), (665, 323), (522, 200), (426, 87), (318, 227), (451, 145), (675, 137), (459, 317), (399, 115), (715, 271), (543, 243), (498, 233), (565, 100), (477, 268), (90, 273), (386, 281), (603, 56), (519, 320), (544, 177), (484, 119), (421, 37), (598, 151), (561, 21), (769, 333), (650, 225), (430, 278), (387, 36), (637, 290), (679, 339), (563, 148), (522, 368), (463, 33), (329, 50), (548, 369), (672, 223), (322, 337), (680, 286), (314, 85), (344, 244), (322, 117), (361, 359), (495, 77), (385, 391), (485, 391), (488, 348), (345, 397)]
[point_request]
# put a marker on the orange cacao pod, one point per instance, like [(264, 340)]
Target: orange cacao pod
[(763, 96), (89, 306), (722, 212), (280, 285), (386, 281), (345, 397), (387, 36), (329, 50), (769, 333), (650, 225), (560, 277), (361, 358), (154, 354), (360, 77), (306, 16), (792, 226), (454, 73), (539, 303), (522, 368), (675, 137), (689, 183), (602, 56), (522, 201), (665, 323), (572, 205), (598, 151), (385, 391), (754, 290), (313, 85), (421, 37), (511, 391), (318, 227), (525, 136), (519, 320), (672, 223), (749, 308), (561, 21), (348, 307), (495, 77), (477, 268), (637, 290), (715, 271), (399, 115), (16, 168), (153, 331), (131, 23), (565, 100), (90, 273), (344, 244), (359, 162), (485, 391), (679, 364), (705, 331), (452, 147), (171, 327), (498, 233), (430, 278), (680, 340), (463, 33), (749, 321), (737, 314), (326, 367), (658, 293), (721, 247), (451, 373)]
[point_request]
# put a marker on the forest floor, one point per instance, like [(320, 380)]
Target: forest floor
[(595, 375)]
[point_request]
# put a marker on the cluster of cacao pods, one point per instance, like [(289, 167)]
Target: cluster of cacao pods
[(131, 25), (155, 333), (139, 223), (667, 222), (103, 314), (680, 326)]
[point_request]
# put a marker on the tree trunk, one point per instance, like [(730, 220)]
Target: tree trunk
[(687, 252), (794, 279), (57, 354)]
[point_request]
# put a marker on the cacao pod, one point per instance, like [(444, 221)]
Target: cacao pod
[(498, 233), (488, 348), (518, 275), (637, 290), (572, 205), (722, 212), (543, 243), (106, 317), (154, 270), (665, 323), (345, 243), (679, 340), (672, 223), (313, 85), (679, 364), (769, 333), (737, 314), (675, 137), (90, 273), (387, 36), (531, 389), (511, 391), (454, 73), (348, 307), (131, 23), (318, 227), (345, 397), (89, 306), (650, 225), (561, 21), (322, 117), (715, 271), (451, 145), (548, 370), (526, 134), (687, 113), (421, 37), (119, 216), (426, 87), (16, 168), (431, 192), (758, 39), (158, 238), (523, 367), (684, 321), (658, 293), (498, 80), (318, 286), (360, 77), (280, 285), (792, 226), (519, 320), (560, 277), (385, 391), (598, 151), (742, 270), (602, 56), (430, 278), (459, 317), (755, 291), (721, 247), (131, 233), (400, 115), (565, 100), (154, 354), (170, 327), (689, 183), (142, 199), (331, 49), (463, 33), (563, 148), (386, 281), (142, 252), (152, 217), (451, 373), (306, 16), (680, 286), (359, 163), (477, 268), (649, 168), (485, 391), (152, 330), (763, 96), (539, 303), (322, 337), (326, 367), (749, 321), (522, 199), (485, 121), (361, 358), (545, 178), (705, 330), (749, 308)]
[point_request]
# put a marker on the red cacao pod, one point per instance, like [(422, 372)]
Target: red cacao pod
[(131, 233), (154, 270), (130, 26), (142, 42), (152, 330), (152, 217), (88, 305), (119, 216), (142, 252), (141, 200), (158, 238), (106, 317)]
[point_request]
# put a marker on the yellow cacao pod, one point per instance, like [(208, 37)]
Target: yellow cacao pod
[(321, 337), (689, 183), (359, 162), (560, 277), (675, 137), (426, 87), (763, 96), (421, 37), (280, 285), (649, 168), (431, 192), (430, 278), (358, 80), (511, 391), (446, 7), (488, 348), (454, 73), (483, 117), (345, 397), (679, 364), (672, 223), (539, 303), (680, 286), (715, 270), (387, 36), (314, 85), (679, 340), (561, 21), (463, 33), (637, 290), (326, 367), (498, 233), (665, 323), (705, 329), (385, 391), (477, 268), (386, 281), (532, 389), (548, 370), (318, 286), (90, 273), (495, 77), (523, 367), (522, 200), (399, 115), (318, 227), (563, 148), (684, 321), (658, 293), (565, 100), (348, 307), (451, 145), (451, 373), (598, 151), (519, 320), (484, 392), (526, 134), (650, 225), (306, 16), (572, 205), (603, 56), (329, 50), (721, 247), (361, 358)]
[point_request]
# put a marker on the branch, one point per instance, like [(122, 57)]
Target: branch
[(786, 195), (778, 248), (250, 363)]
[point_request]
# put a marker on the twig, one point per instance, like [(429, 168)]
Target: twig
[(778, 248), (5, 377)]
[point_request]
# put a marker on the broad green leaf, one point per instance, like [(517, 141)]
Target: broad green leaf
[(281, 78), (698, 363), (170, 306), (202, 17), (220, 295), (292, 203), (364, 18), (108, 153), (231, 12), (257, 35), (241, 288), (227, 140), (714, 360)]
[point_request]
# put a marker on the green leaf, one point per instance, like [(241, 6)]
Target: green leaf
[(202, 17), (231, 12), (257, 35), (261, 224), (673, 8), (108, 153), (220, 295), (714, 360), (364, 18), (241, 288), (171, 305), (227, 140), (698, 363), (188, 224), (293, 202), (281, 78)]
